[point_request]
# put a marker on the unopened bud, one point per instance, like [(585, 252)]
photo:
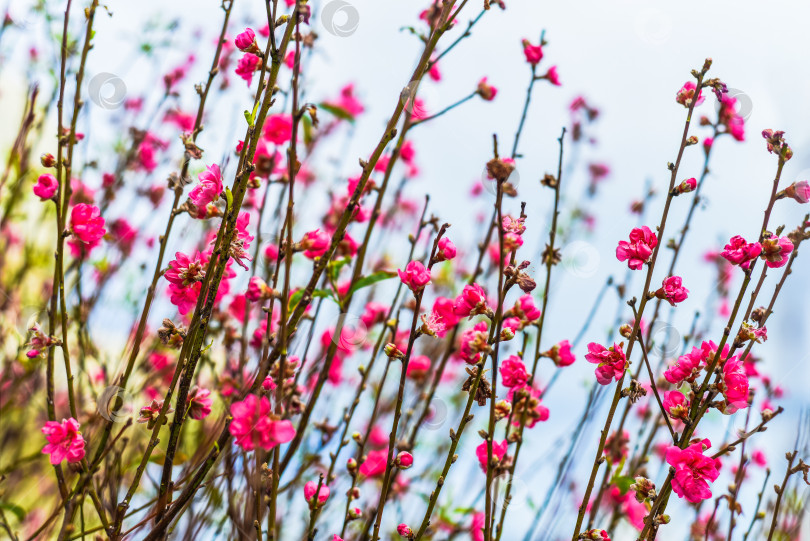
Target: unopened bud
[(47, 160)]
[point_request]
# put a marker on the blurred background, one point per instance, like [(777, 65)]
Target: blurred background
[(627, 58)]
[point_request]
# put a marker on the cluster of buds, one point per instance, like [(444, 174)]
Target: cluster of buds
[(776, 143), (749, 332), (171, 335), (515, 275), (644, 489), (502, 410), (500, 170), (595, 535), (39, 341)]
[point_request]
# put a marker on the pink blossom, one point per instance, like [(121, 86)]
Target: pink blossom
[(686, 186), (552, 76), (498, 452), (258, 290), (672, 290), (511, 325), (199, 403), (124, 235), (472, 301), (513, 372), (486, 91), (686, 367), (252, 426), (347, 101), (46, 187), (446, 250), (693, 471), (561, 354), (533, 53), (405, 531), (687, 93), (404, 460), (87, 224), (207, 191), (473, 342), (246, 40), (740, 252), (184, 270), (315, 243), (374, 464), (799, 191), (525, 306), (64, 441), (728, 116), (640, 248), (477, 526), (776, 251), (278, 128), (184, 298), (184, 121), (415, 275), (311, 487), (433, 324), (527, 407), (443, 309), (247, 65), (676, 405), (418, 367), (735, 384), (611, 362), (374, 313)]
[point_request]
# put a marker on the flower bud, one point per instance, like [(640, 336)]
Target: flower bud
[(355, 513), (686, 186), (626, 330), (351, 465), (47, 160), (404, 460), (393, 352), (798, 191), (405, 531)]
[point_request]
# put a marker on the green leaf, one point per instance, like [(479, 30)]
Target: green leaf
[(229, 197), (307, 129), (249, 118), (295, 298), (335, 266), (623, 482), (18, 511), (337, 111), (371, 279)]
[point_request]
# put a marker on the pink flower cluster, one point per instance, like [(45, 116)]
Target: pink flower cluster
[(639, 249), (64, 441), (693, 471), (611, 362), (252, 425)]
